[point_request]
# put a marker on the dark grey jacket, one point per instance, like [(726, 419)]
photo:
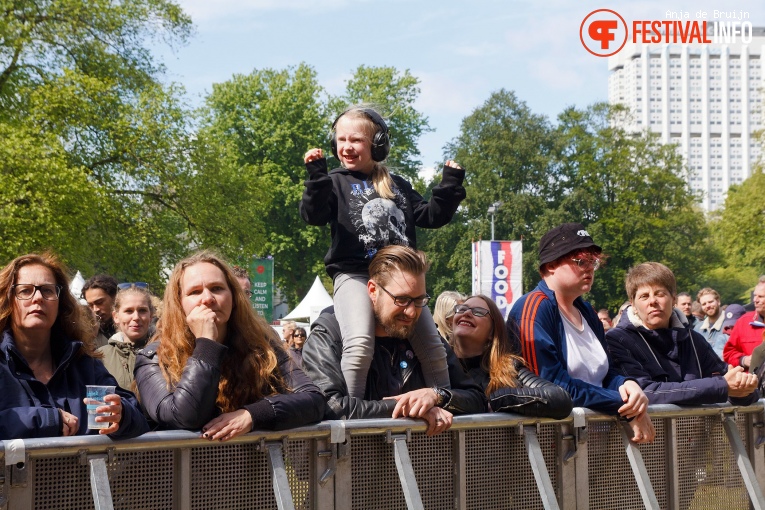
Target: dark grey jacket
[(394, 370), (191, 404)]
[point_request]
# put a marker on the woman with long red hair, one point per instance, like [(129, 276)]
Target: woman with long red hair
[(216, 365)]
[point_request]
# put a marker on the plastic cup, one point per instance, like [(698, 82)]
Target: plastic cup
[(95, 396)]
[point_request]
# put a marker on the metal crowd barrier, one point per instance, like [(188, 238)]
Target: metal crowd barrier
[(708, 457)]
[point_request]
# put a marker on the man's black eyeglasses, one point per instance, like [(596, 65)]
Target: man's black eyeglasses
[(26, 291), (404, 301), (476, 310)]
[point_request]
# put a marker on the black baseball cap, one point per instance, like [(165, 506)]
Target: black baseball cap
[(564, 239)]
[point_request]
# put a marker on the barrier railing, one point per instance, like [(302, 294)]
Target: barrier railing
[(708, 457)]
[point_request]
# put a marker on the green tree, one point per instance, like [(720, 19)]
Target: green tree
[(740, 230), (507, 152), (267, 120), (631, 193), (628, 190), (80, 92)]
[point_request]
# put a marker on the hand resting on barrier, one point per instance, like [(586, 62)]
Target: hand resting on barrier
[(635, 400), (642, 429), (740, 383), (70, 424), (228, 426)]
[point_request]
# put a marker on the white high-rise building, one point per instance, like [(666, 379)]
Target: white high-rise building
[(706, 98)]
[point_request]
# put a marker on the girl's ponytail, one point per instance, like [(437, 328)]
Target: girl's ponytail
[(382, 181)]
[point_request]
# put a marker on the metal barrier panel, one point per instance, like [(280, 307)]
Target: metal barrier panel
[(238, 476), (481, 464), (139, 480), (611, 481), (498, 471), (708, 475), (375, 482)]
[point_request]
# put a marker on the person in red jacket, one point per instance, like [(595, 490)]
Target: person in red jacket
[(747, 333)]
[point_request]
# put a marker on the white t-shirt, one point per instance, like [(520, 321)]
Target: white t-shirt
[(585, 359)]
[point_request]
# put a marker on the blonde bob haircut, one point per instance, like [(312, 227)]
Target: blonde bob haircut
[(249, 370)]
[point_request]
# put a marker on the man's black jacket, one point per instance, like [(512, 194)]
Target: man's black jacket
[(394, 370)]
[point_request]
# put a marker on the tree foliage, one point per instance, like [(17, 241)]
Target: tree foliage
[(89, 133), (740, 229), (628, 190)]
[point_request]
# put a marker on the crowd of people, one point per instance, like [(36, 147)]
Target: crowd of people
[(202, 359)]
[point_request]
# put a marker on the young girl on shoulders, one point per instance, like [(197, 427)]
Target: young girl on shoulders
[(369, 208)]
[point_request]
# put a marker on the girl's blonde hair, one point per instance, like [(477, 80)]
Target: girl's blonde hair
[(444, 311), (249, 370), (381, 178)]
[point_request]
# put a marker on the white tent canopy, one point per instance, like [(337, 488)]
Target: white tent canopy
[(312, 304)]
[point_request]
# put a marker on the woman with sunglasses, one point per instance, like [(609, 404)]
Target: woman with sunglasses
[(562, 339), (297, 340), (47, 357), (480, 341)]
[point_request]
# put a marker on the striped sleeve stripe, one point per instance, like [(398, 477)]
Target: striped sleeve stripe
[(528, 316)]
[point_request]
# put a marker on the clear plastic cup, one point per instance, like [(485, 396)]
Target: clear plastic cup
[(95, 395)]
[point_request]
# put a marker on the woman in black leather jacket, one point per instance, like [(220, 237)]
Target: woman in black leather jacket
[(479, 338), (217, 365)]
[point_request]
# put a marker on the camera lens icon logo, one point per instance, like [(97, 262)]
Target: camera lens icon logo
[(603, 32)]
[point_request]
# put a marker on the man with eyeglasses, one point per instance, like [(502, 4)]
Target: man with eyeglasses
[(99, 292), (395, 385), (562, 339)]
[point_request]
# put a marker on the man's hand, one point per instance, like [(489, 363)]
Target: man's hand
[(439, 420), (635, 401), (414, 404)]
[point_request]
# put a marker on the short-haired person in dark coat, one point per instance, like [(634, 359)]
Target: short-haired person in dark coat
[(672, 363)]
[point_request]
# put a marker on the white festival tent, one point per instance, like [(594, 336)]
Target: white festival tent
[(312, 304)]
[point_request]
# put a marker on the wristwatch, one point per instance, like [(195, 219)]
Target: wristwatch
[(442, 396)]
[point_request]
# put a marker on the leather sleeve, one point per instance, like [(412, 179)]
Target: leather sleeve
[(321, 362), (302, 403), (191, 404), (534, 397), (466, 395)]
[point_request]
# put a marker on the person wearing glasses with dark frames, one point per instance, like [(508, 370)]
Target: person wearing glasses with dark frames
[(480, 341), (47, 357), (395, 385), (562, 339)]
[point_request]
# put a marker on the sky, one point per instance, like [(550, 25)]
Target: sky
[(461, 51)]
